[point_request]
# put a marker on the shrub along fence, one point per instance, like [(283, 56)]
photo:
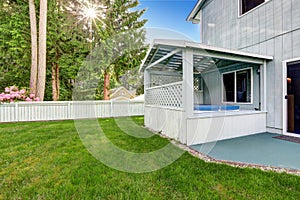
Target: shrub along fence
[(63, 110)]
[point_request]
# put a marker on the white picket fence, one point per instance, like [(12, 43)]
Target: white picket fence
[(63, 110)]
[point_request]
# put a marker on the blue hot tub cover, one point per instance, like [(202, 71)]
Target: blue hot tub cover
[(216, 107)]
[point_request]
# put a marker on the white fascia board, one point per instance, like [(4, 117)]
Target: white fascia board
[(191, 16), (227, 51), (170, 43), (201, 46)]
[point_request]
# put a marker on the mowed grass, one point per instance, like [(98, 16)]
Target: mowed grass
[(47, 160)]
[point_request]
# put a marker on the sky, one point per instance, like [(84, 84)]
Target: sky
[(167, 19)]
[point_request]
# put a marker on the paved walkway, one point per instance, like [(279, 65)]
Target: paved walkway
[(260, 149)]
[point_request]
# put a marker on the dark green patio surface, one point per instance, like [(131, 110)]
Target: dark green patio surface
[(260, 149)]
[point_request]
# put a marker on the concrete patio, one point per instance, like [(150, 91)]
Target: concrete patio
[(261, 149)]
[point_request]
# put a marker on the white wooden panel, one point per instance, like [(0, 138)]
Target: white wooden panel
[(202, 130), (167, 121)]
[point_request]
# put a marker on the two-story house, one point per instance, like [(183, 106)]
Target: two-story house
[(268, 27), (242, 79)]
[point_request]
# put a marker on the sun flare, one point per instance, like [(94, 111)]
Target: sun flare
[(87, 12)]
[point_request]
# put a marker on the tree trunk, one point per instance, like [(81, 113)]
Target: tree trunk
[(34, 55), (55, 82), (41, 80), (106, 86)]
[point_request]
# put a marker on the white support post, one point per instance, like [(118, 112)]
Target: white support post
[(187, 92), (146, 80), (188, 82)]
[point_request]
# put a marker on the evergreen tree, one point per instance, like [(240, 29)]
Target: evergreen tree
[(124, 16), (67, 48), (119, 36), (67, 44)]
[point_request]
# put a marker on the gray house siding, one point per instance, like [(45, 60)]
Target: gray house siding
[(271, 29), (213, 80)]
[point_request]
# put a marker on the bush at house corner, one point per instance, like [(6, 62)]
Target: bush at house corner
[(13, 94)]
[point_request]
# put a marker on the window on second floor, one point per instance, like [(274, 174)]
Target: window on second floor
[(247, 5)]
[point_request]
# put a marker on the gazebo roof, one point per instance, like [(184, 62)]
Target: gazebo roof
[(166, 55)]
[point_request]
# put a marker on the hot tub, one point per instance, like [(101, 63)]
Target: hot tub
[(216, 107)]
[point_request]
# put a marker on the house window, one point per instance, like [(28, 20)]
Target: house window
[(247, 5), (237, 86)]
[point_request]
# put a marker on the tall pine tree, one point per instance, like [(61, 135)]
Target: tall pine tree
[(123, 19), (117, 40)]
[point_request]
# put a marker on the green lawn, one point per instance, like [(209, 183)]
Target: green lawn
[(47, 160)]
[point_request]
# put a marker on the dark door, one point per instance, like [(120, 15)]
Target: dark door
[(293, 97)]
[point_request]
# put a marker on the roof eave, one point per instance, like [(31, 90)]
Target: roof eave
[(192, 16), (195, 45)]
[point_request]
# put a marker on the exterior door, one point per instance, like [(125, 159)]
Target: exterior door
[(293, 97)]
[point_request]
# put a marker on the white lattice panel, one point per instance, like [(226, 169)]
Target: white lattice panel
[(169, 95)]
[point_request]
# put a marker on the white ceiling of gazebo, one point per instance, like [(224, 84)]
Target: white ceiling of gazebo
[(166, 56)]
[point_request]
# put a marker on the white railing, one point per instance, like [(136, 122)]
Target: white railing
[(63, 110), (169, 95)]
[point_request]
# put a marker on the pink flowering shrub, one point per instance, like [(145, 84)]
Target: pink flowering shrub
[(12, 94)]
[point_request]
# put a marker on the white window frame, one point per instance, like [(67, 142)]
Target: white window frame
[(240, 14), (284, 92), (251, 92)]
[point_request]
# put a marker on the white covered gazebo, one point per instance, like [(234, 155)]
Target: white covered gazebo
[(196, 93)]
